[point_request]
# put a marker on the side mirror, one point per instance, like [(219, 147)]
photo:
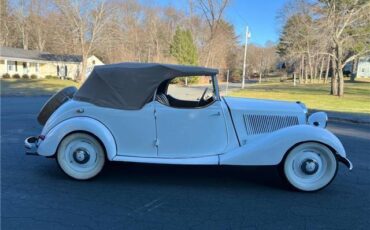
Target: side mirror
[(319, 119)]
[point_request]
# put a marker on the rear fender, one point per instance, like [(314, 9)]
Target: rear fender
[(49, 145), (269, 149)]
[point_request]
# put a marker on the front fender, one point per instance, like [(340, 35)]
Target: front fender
[(269, 149), (49, 145)]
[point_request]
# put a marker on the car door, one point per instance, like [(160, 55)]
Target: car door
[(186, 127), (190, 132), (134, 130)]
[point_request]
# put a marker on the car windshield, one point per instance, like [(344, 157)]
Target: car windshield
[(187, 92), (191, 92)]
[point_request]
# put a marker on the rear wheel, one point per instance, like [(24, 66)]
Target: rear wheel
[(81, 156), (309, 167)]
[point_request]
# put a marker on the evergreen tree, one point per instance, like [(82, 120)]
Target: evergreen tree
[(184, 49)]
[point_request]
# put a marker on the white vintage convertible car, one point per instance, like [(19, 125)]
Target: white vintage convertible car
[(133, 112)]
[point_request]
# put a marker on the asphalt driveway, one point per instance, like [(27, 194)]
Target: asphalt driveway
[(35, 194)]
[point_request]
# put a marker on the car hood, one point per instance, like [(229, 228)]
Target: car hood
[(254, 118), (265, 106)]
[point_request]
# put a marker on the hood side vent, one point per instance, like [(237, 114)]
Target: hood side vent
[(257, 124)]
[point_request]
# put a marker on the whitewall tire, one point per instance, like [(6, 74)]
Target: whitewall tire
[(310, 167), (81, 156)]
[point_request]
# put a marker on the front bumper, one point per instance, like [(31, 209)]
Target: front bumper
[(346, 162), (31, 145)]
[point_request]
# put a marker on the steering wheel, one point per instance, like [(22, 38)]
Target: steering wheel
[(202, 97)]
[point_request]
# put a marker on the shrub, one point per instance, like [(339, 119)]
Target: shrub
[(51, 77), (193, 80), (69, 78), (6, 76), (16, 76), (25, 76), (181, 80), (33, 76)]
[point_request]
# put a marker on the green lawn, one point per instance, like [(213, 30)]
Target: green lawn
[(28, 87), (315, 96)]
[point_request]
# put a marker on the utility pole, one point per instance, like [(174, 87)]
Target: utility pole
[(227, 81), (247, 36)]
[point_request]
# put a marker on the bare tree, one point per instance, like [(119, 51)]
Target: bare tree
[(262, 59), (86, 20), (348, 24), (22, 23), (213, 11), (119, 31), (4, 23), (38, 25)]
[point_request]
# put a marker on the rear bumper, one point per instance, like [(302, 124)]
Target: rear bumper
[(31, 145)]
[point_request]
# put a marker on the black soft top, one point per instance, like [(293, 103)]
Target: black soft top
[(131, 85)]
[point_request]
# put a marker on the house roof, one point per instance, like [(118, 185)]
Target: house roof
[(37, 55)]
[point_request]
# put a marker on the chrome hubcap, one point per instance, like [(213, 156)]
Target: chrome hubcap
[(309, 166), (81, 156)]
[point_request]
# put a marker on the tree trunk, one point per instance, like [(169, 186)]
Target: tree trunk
[(316, 68), (302, 70), (310, 67), (354, 69), (209, 51), (83, 68), (260, 80), (339, 67), (334, 80), (327, 69), (340, 82), (305, 75), (321, 68)]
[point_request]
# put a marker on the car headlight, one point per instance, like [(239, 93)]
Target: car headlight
[(319, 119)]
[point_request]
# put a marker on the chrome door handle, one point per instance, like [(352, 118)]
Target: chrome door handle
[(216, 114)]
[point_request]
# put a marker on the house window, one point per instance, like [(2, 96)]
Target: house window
[(35, 66), (93, 62), (62, 70), (12, 66), (25, 69)]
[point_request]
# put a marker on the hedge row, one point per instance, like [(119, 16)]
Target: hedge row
[(33, 76), (17, 76)]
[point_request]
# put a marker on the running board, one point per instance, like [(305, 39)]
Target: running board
[(207, 160)]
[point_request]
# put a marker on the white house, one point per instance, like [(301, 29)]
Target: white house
[(15, 61), (363, 67)]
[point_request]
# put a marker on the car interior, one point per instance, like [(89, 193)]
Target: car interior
[(171, 94)]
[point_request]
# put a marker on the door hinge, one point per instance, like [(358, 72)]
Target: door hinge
[(156, 142)]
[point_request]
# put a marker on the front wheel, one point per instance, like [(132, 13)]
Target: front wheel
[(310, 167), (81, 156)]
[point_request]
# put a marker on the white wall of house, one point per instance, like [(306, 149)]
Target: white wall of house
[(91, 62), (19, 66), (42, 69), (66, 70), (363, 67)]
